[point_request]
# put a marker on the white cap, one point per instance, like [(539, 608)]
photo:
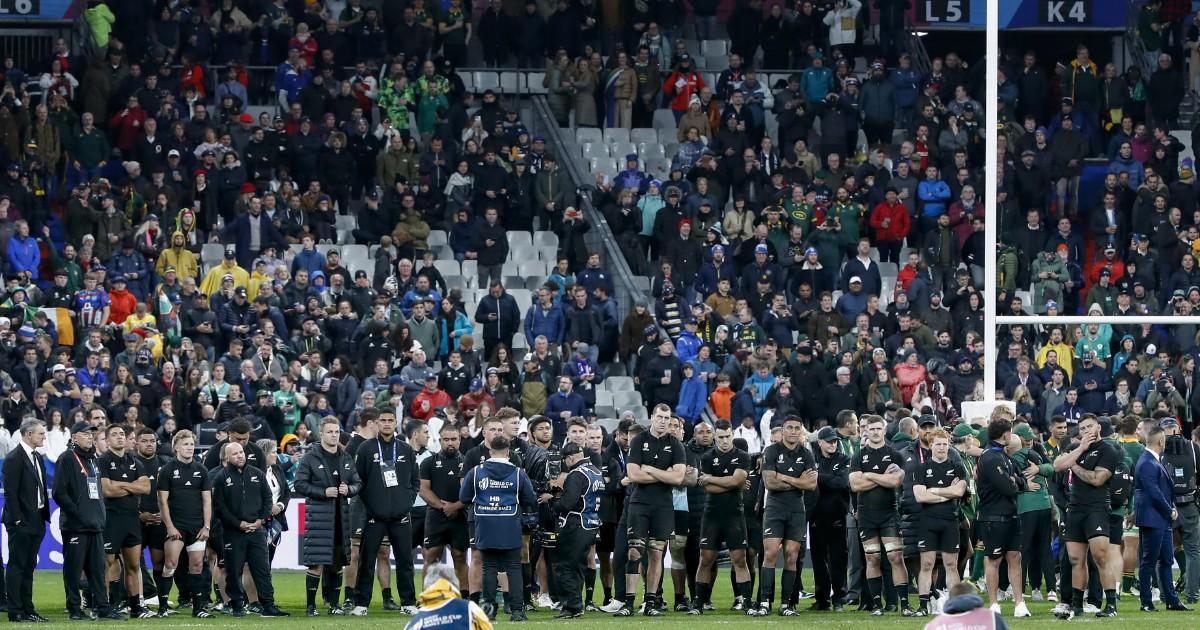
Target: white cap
[(58, 367), (854, 279)]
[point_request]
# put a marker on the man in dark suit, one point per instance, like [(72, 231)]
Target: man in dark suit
[(1154, 509), (26, 512)]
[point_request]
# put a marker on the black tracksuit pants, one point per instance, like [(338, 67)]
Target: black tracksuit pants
[(399, 533), (240, 549), (570, 559)]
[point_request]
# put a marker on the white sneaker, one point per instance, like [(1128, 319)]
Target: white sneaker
[(612, 606), (409, 610), (1089, 609), (1022, 611), (1052, 596), (1004, 595), (1155, 594), (1061, 608), (996, 608), (544, 601), (1036, 596), (358, 611)]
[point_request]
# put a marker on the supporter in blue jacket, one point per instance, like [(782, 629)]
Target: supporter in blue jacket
[(693, 395), (545, 318)]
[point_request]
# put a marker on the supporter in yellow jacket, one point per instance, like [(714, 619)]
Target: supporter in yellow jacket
[(212, 280)]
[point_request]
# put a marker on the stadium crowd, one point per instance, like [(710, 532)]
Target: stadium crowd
[(193, 337)]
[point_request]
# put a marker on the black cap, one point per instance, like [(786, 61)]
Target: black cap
[(827, 434), (81, 426), (571, 449)]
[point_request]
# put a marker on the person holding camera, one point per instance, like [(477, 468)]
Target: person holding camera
[(327, 479), (496, 490)]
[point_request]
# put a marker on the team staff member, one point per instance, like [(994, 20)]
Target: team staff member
[(656, 464), (578, 510), (788, 472), (445, 516), (496, 491), (612, 468), (388, 469), (124, 483), (723, 476), (327, 479), (1154, 509), (1000, 529), (875, 474), (938, 485), (26, 512), (1091, 464), (82, 517), (154, 535), (442, 605), (185, 501), (829, 521), (242, 500)]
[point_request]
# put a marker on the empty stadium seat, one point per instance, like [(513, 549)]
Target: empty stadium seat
[(715, 48), (437, 238), (651, 150), (716, 62), (594, 150), (616, 134), (543, 238), (345, 221), (604, 397), (665, 119), (520, 238), (448, 267), (512, 82), (470, 269), (486, 81), (666, 136), (643, 135), (625, 399), (533, 82), (642, 283), (522, 253), (468, 80), (455, 281), (619, 150), (618, 383), (524, 298), (510, 269), (608, 166), (589, 134), (888, 269), (212, 253), (548, 255), (531, 268)]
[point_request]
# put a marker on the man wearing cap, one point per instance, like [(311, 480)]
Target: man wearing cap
[(229, 265), (762, 265), (878, 105), (578, 522), (828, 521), (77, 491)]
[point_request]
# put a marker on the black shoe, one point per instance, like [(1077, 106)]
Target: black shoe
[(890, 608), (907, 611), (200, 613), (38, 617), (311, 611), (255, 608), (820, 606), (1150, 608), (238, 612), (849, 601), (590, 607), (111, 615), (390, 604), (1109, 611), (1178, 606), (569, 614), (274, 611), (518, 616), (624, 611), (141, 612), (337, 611), (787, 611), (863, 606), (77, 615), (653, 610)]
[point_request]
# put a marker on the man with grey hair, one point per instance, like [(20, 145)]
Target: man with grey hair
[(442, 605), (26, 512)]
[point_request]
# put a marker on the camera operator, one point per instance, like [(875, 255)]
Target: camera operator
[(550, 486), (578, 510)]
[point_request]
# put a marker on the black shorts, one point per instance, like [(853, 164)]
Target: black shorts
[(754, 531), (154, 536), (441, 531), (417, 518), (651, 522), (728, 528), (606, 542), (1000, 537), (1116, 529), (1084, 525), (121, 531), (937, 534), (683, 520), (786, 524), (878, 524)]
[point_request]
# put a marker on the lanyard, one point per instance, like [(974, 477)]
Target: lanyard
[(85, 469), (379, 446)]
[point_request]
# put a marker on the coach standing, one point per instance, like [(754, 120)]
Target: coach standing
[(242, 500), (82, 518), (1154, 510), (26, 512), (391, 480)]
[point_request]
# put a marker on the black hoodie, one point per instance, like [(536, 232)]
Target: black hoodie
[(81, 508)]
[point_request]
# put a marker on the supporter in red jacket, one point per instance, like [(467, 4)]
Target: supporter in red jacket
[(891, 223)]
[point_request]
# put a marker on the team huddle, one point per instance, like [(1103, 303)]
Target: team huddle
[(534, 510)]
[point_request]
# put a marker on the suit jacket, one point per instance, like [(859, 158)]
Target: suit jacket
[(21, 488), (239, 232), (1153, 497)]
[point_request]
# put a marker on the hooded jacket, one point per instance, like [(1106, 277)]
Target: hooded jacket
[(442, 607)]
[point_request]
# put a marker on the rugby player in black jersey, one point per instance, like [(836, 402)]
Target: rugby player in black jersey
[(185, 501), (939, 483), (875, 474)]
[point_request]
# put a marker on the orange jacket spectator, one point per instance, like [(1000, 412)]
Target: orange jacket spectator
[(909, 375), (191, 75), (680, 86), (470, 401), (905, 277), (721, 401), (428, 402), (1114, 265), (122, 305), (898, 221)]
